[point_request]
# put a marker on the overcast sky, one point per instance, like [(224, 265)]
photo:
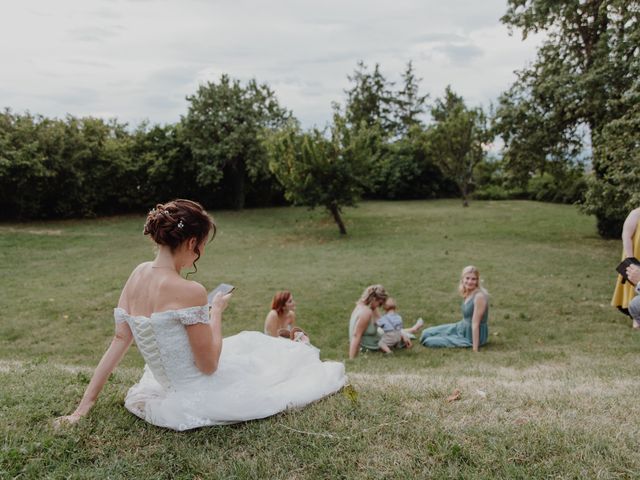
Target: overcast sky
[(138, 59)]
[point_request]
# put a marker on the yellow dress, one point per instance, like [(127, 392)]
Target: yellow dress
[(624, 292)]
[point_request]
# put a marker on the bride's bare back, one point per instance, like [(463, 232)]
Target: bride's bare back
[(152, 289)]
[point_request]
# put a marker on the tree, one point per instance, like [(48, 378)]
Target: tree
[(165, 162), (25, 170), (535, 141), (409, 104), (64, 168), (316, 170), (582, 71), (370, 100), (406, 169), (457, 139), (617, 192), (400, 167), (223, 126)]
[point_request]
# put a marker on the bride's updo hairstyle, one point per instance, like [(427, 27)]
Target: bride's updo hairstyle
[(175, 222)]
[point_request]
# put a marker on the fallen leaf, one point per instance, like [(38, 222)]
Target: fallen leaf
[(455, 395), (351, 393)]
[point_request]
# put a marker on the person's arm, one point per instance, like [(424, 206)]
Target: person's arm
[(479, 307), (628, 229), (110, 360), (361, 326), (206, 339), (292, 317)]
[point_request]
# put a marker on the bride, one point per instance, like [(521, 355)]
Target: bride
[(193, 377)]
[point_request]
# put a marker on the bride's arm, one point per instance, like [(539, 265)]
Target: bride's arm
[(110, 360), (206, 339)]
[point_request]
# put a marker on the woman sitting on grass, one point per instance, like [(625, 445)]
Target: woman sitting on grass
[(281, 319), (190, 380), (472, 330), (363, 331)]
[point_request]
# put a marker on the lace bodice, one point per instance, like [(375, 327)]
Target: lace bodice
[(163, 342)]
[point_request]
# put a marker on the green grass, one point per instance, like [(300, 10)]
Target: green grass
[(554, 394)]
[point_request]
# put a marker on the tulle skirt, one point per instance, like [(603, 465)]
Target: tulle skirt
[(257, 376)]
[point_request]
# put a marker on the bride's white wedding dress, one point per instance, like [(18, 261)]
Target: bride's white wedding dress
[(257, 375)]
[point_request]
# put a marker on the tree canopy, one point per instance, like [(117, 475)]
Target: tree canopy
[(457, 139), (584, 69), (223, 126), (317, 169)]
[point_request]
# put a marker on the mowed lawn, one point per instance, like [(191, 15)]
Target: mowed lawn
[(554, 394)]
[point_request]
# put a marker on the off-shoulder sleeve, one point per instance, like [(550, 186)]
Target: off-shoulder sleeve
[(193, 315), (119, 315)]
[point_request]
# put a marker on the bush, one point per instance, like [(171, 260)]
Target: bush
[(567, 188), (405, 170)]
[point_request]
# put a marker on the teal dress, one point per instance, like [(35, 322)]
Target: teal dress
[(370, 337), (457, 334)]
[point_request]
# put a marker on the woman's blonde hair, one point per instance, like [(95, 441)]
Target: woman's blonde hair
[(373, 292), (466, 270)]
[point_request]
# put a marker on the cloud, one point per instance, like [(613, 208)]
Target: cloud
[(439, 37), (140, 58), (461, 54), (94, 34), (84, 63)]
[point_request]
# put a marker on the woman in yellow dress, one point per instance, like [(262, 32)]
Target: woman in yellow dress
[(624, 292)]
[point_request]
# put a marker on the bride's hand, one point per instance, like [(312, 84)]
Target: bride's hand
[(66, 420), (220, 302)]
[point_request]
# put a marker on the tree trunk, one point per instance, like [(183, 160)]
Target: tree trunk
[(336, 216), (465, 193), (237, 187)]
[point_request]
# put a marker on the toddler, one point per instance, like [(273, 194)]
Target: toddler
[(391, 324)]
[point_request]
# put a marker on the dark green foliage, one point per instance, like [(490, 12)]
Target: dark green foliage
[(409, 105), (401, 166), (222, 129), (406, 169), (617, 192), (457, 140), (581, 81), (370, 100), (80, 167), (316, 170), (496, 181), (65, 168)]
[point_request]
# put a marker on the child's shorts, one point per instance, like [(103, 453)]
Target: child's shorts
[(391, 339)]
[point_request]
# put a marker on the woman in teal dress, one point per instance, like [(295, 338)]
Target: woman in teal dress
[(472, 330), (363, 332)]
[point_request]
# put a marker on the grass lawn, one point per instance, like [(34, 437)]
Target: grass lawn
[(554, 394)]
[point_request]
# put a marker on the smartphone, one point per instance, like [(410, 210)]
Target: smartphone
[(224, 288)]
